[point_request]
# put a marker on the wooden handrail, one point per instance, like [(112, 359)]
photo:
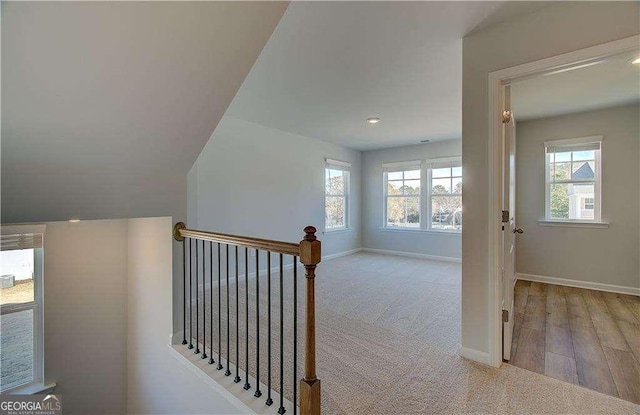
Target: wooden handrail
[(310, 253), (288, 248)]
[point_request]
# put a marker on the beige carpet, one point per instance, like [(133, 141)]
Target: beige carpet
[(388, 332)]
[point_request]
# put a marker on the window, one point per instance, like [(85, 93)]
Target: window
[(445, 185), (408, 206), (573, 179), (336, 195), (21, 306)]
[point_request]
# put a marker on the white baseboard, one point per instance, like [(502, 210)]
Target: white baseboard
[(579, 284), (413, 255), (475, 355), (341, 254)]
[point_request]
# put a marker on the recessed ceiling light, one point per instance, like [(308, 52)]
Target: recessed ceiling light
[(636, 60), (74, 220), (373, 120), (425, 141)]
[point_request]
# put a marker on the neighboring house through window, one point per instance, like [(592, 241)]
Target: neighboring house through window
[(408, 206), (573, 185), (336, 200), (21, 306)]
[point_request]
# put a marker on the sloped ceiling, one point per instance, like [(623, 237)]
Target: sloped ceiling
[(106, 105)]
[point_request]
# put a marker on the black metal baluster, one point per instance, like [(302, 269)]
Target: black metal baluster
[(246, 386), (204, 304), (281, 410), (228, 372), (295, 335), (237, 378), (197, 305), (184, 290), (219, 367), (269, 400), (211, 361), (258, 393), (190, 294)]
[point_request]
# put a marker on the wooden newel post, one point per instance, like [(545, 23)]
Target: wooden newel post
[(310, 254)]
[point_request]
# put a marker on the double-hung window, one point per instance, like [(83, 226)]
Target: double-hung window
[(336, 195), (21, 306), (402, 184), (445, 194), (423, 195), (573, 179)]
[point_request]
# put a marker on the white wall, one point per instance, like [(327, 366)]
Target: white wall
[(607, 256), (553, 30), (373, 236), (85, 297), (156, 382), (258, 181)]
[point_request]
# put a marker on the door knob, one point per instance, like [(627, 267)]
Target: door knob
[(518, 230)]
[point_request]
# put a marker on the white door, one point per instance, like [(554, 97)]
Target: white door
[(509, 228)]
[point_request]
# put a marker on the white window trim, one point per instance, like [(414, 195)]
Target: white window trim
[(346, 167), (37, 306), (597, 185), (425, 197)]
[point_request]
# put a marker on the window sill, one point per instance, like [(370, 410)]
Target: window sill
[(32, 389), (427, 231), (574, 224), (337, 230)]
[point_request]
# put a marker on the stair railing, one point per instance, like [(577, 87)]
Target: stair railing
[(308, 251)]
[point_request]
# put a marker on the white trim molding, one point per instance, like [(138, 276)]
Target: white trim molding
[(573, 224), (618, 289), (475, 355), (413, 255)]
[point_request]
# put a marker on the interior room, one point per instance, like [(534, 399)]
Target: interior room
[(276, 207), (576, 213)]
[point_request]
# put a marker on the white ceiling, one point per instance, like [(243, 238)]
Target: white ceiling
[(607, 84), (106, 105), (331, 65)]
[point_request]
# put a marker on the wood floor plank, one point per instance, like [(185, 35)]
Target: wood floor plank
[(557, 311), (631, 333), (591, 363), (633, 302), (521, 293), (558, 340), (530, 352), (561, 367), (536, 312), (595, 302), (608, 330), (537, 289), (626, 373), (618, 308)]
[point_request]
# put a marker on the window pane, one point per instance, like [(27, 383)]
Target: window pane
[(562, 171), (584, 155), (412, 174), (395, 211), (16, 352), (579, 194), (456, 171), (559, 200), (335, 180), (440, 186), (457, 185), (16, 281), (394, 175), (413, 212), (334, 212), (411, 187), (565, 156), (436, 173), (446, 212), (394, 187), (583, 170)]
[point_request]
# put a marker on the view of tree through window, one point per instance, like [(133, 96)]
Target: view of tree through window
[(446, 198), (572, 182), (403, 198), (336, 188)]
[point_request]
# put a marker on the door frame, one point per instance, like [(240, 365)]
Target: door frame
[(497, 81)]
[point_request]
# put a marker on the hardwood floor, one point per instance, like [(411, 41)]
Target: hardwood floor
[(586, 337)]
